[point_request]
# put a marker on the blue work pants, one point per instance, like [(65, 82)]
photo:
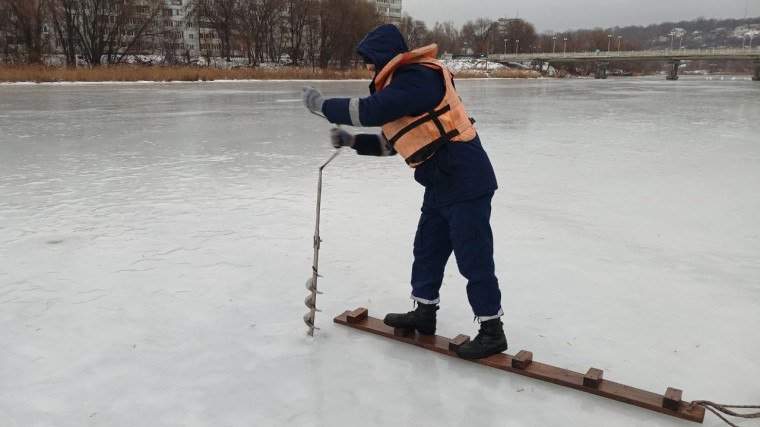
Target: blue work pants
[(464, 228)]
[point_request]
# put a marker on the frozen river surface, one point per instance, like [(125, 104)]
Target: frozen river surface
[(155, 240)]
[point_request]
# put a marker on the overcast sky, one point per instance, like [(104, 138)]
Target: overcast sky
[(561, 15)]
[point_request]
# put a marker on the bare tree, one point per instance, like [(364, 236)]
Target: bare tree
[(478, 34), (111, 28), (415, 31), (64, 15), (276, 36), (446, 36), (327, 33), (259, 20), (247, 19), (301, 14), (5, 29), (312, 38), (168, 44), (27, 19), (342, 25), (523, 31), (221, 16), (364, 17)]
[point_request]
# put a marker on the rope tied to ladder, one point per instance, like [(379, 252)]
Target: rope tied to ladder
[(717, 409)]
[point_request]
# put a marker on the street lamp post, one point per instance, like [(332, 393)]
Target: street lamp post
[(609, 40), (564, 49), (620, 38), (554, 41), (517, 45), (508, 23), (488, 46)]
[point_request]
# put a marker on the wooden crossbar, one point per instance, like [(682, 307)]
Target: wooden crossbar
[(522, 364)]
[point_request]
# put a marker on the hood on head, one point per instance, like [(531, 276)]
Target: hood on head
[(381, 45)]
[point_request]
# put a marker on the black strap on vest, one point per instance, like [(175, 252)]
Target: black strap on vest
[(427, 151), (431, 115)]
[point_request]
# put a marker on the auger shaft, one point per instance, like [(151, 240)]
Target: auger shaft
[(311, 284)]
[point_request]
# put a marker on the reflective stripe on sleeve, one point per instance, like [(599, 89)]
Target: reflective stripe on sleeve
[(353, 111)]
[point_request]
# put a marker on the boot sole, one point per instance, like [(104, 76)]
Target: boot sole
[(482, 355), (421, 332), (412, 329)]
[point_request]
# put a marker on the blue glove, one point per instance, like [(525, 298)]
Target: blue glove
[(341, 138), (313, 99)]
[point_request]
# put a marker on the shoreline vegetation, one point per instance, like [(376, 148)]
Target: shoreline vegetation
[(135, 73)]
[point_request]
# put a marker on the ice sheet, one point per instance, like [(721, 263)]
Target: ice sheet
[(155, 240)]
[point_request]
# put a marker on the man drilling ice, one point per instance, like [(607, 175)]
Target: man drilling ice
[(413, 98)]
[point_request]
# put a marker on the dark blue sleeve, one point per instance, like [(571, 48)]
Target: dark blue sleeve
[(336, 111), (371, 145), (415, 89)]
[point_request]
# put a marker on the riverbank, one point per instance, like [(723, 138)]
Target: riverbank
[(135, 73)]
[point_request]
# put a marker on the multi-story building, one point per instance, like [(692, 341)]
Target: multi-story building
[(183, 37), (188, 36), (390, 10)]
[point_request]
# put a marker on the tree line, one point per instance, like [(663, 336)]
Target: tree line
[(302, 32), (322, 32), (485, 36), (319, 32)]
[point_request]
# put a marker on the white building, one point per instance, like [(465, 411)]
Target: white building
[(390, 10), (190, 37), (184, 37)]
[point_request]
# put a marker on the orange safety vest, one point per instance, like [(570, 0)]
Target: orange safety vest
[(417, 138)]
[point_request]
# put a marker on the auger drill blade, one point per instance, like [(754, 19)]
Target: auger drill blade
[(311, 285), (309, 301), (308, 318)]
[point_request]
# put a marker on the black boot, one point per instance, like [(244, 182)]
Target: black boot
[(422, 319), (490, 341)]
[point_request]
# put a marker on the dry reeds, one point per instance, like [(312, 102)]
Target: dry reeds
[(134, 73)]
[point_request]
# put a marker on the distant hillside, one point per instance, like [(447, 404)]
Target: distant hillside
[(697, 34)]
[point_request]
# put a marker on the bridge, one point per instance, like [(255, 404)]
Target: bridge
[(603, 59)]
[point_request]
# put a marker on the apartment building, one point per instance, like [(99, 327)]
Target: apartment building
[(184, 36), (390, 10)]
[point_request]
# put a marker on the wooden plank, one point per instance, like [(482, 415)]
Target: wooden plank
[(402, 332), (609, 389)]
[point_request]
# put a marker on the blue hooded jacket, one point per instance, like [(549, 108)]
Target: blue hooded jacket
[(459, 170)]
